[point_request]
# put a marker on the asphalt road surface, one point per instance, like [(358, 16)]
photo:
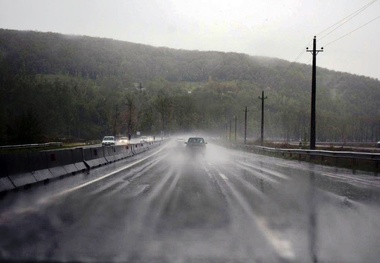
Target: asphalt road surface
[(172, 205)]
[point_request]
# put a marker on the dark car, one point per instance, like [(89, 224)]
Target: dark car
[(196, 144)]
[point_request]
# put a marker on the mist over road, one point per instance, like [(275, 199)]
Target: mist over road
[(169, 205)]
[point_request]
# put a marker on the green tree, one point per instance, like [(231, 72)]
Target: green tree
[(27, 129)]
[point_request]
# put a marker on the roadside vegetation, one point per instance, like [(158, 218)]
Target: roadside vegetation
[(72, 88)]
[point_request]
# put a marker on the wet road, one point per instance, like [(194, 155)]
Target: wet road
[(221, 206)]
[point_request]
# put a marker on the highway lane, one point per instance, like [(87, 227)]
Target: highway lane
[(171, 206)]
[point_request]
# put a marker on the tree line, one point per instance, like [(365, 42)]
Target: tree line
[(55, 86)]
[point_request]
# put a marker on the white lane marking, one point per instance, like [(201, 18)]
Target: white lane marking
[(283, 247), (267, 171), (243, 181), (207, 170), (223, 177), (220, 174)]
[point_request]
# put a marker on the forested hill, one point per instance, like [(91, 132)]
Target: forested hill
[(51, 53), (77, 72)]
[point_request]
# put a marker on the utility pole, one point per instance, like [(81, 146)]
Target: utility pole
[(235, 126), (230, 129), (115, 120), (314, 52), (245, 125), (262, 98), (226, 131)]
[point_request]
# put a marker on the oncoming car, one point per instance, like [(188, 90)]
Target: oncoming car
[(146, 139), (108, 141), (123, 141)]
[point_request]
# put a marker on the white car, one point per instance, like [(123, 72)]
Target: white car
[(146, 139), (123, 141), (108, 141)]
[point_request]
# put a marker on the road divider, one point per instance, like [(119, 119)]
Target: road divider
[(59, 163), (5, 183), (78, 160), (18, 169), (39, 167), (123, 152), (24, 169), (110, 154), (139, 148), (94, 157)]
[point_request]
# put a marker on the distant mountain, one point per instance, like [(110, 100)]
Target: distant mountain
[(53, 60)]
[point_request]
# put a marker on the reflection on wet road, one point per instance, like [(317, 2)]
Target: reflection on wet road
[(170, 205)]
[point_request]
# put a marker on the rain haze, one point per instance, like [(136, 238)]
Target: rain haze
[(273, 28), (128, 153)]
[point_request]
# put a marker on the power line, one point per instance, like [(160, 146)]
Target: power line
[(352, 31), (345, 20), (299, 55), (302, 52), (341, 22)]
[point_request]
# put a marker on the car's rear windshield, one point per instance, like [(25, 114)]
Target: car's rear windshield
[(108, 138), (196, 140)]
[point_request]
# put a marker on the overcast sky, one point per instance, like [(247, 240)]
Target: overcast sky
[(273, 28)]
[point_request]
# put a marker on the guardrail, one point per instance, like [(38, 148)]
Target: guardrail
[(369, 161), (22, 169)]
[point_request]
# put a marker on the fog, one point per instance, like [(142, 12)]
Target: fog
[(262, 28)]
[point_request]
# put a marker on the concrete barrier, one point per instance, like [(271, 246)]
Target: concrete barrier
[(126, 151), (120, 152), (3, 166), (39, 166), (5, 182), (60, 163), (22, 169), (109, 153), (145, 146), (77, 159), (64, 162), (94, 157), (153, 144), (139, 148), (18, 169), (135, 149)]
